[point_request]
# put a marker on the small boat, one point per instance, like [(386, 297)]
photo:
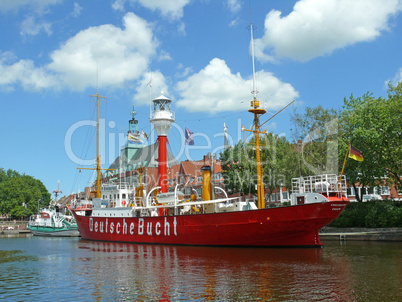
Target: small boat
[(52, 223)]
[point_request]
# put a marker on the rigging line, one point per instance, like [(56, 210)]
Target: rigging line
[(171, 151), (297, 140), (88, 139), (178, 138)]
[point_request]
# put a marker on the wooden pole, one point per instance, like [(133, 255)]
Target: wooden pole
[(344, 163)]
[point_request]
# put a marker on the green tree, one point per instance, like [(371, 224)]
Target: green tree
[(18, 190), (20, 212), (316, 135), (278, 159), (237, 169), (373, 125), (280, 162)]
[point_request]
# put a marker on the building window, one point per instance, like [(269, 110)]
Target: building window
[(384, 190), (218, 176), (188, 191), (351, 191), (273, 197), (284, 195), (278, 196), (199, 179)]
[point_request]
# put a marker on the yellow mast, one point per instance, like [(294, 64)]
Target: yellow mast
[(98, 162), (256, 110)]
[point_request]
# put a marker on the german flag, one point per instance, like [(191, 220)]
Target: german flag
[(355, 154)]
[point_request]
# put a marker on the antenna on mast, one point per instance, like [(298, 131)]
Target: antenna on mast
[(254, 92), (257, 111), (97, 78)]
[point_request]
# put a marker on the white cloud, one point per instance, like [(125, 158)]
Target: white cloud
[(164, 56), (396, 79), (24, 73), (77, 10), (316, 28), (234, 5), (118, 5), (168, 9), (106, 48), (31, 27), (183, 72), (16, 5), (149, 87), (215, 88), (181, 28), (234, 22)]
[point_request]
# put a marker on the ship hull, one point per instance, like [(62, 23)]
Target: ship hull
[(289, 226), (54, 232)]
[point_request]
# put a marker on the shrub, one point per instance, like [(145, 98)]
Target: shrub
[(372, 214)]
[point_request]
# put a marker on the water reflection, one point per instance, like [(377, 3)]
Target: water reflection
[(39, 269), (175, 272)]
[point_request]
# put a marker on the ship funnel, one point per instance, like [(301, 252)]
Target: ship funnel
[(206, 183)]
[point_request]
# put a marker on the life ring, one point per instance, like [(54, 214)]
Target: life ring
[(123, 202)]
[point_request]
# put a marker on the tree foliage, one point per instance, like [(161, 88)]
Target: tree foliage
[(278, 161), (20, 194), (321, 138), (373, 125), (316, 131)]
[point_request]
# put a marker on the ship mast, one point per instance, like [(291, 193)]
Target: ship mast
[(56, 192), (257, 110), (98, 99)]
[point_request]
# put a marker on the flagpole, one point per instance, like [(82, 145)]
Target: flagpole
[(344, 162)]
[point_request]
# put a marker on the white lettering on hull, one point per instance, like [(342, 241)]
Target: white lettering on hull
[(167, 227)]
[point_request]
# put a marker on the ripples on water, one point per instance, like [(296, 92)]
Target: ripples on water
[(70, 269)]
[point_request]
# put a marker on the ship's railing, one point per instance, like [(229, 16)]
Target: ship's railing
[(125, 186), (110, 186), (325, 184)]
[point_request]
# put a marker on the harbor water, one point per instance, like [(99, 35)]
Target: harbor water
[(73, 269)]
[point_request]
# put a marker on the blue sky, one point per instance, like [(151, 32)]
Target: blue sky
[(54, 54)]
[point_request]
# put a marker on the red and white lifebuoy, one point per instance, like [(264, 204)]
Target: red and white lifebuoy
[(123, 202)]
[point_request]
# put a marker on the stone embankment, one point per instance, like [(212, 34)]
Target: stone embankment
[(361, 234), (13, 227)]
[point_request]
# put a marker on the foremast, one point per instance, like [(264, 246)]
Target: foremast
[(98, 100), (257, 111)]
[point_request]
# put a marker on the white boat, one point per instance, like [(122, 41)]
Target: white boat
[(50, 222)]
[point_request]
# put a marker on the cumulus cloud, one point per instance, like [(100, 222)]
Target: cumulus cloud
[(24, 73), (106, 48), (316, 28), (215, 88)]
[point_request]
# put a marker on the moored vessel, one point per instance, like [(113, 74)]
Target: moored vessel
[(161, 217), (128, 213), (52, 223)]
